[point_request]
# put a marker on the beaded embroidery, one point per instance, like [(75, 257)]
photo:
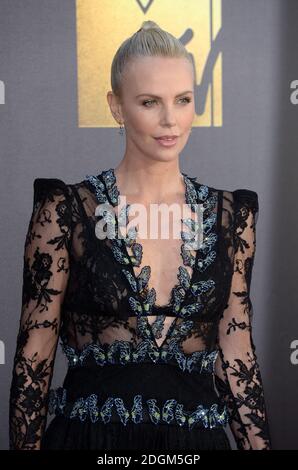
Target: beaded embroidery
[(122, 352), (206, 253), (171, 411), (62, 256)]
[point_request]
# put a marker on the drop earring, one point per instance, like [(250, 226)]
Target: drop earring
[(121, 129)]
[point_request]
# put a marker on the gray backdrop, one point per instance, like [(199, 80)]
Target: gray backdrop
[(255, 149)]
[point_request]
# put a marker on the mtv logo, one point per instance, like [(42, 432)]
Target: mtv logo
[(103, 25)]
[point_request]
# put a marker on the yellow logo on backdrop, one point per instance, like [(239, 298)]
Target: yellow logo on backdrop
[(102, 25)]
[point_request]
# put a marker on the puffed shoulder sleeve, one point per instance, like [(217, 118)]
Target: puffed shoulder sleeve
[(237, 373), (45, 277)]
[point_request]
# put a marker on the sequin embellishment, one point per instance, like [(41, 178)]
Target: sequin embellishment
[(171, 412)]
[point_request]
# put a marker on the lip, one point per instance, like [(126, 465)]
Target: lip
[(170, 136), (172, 140)]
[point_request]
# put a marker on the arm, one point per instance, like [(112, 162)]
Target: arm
[(237, 373), (45, 277)]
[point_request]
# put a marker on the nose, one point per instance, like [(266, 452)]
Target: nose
[(168, 116)]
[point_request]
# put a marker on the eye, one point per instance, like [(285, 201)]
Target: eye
[(146, 102), (188, 100)]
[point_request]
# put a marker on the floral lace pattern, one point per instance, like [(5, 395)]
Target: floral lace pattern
[(44, 278), (107, 191), (237, 373), (85, 291)]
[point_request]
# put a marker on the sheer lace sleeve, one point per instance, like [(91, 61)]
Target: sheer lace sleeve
[(237, 374), (45, 277)]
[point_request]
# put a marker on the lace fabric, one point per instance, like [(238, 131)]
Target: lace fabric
[(237, 373), (45, 277), (96, 296)]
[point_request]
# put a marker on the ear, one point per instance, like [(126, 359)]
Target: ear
[(115, 106)]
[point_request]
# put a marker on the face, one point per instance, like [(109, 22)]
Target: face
[(169, 112)]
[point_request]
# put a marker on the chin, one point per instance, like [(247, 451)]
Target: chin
[(165, 157)]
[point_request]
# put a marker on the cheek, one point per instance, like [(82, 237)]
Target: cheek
[(143, 123), (188, 117)]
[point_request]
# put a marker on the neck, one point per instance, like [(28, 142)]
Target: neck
[(154, 182)]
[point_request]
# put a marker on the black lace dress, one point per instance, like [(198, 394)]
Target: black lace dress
[(141, 375)]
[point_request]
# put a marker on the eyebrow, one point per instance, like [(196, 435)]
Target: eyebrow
[(155, 96)]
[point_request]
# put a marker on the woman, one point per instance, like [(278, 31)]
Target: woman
[(171, 363)]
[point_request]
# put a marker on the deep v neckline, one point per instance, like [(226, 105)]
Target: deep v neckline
[(190, 198), (157, 307), (187, 297)]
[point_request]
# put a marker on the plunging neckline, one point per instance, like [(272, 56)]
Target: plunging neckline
[(185, 296), (114, 190)]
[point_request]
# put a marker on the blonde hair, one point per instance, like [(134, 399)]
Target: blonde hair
[(149, 40)]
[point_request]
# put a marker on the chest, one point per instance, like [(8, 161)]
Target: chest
[(159, 234)]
